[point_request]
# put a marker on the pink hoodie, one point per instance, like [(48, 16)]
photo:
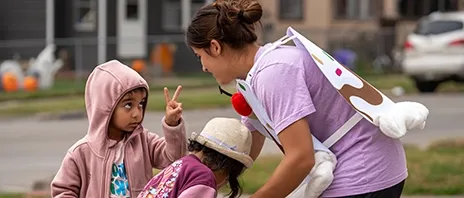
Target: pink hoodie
[(86, 168)]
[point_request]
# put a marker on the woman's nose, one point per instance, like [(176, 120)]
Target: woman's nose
[(204, 69)]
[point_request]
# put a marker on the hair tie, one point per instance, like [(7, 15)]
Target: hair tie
[(240, 14), (216, 6)]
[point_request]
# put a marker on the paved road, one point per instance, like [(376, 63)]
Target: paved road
[(32, 149)]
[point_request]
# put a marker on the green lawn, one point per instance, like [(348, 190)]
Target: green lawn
[(190, 98), (68, 88), (194, 95)]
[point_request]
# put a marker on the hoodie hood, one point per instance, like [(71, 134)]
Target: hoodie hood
[(105, 86)]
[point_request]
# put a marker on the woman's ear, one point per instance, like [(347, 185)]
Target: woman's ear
[(215, 48)]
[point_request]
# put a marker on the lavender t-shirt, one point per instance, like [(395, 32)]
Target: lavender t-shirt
[(291, 87)]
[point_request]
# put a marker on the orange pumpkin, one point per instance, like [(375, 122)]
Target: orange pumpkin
[(30, 83), (138, 65), (164, 56), (9, 82)]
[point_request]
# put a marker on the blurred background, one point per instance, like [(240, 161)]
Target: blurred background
[(409, 49)]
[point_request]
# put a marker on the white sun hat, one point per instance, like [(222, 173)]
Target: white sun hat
[(227, 136)]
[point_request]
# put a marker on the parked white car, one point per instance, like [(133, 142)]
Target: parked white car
[(434, 52)]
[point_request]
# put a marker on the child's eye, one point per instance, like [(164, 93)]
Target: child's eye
[(128, 106), (142, 104)]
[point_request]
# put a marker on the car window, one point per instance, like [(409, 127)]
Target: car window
[(426, 27)]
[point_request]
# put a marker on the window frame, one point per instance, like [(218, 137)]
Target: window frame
[(356, 11), (84, 26), (282, 9)]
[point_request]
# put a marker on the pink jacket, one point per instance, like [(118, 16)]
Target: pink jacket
[(86, 167)]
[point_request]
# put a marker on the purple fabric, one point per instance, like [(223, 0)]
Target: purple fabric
[(179, 176), (291, 87)]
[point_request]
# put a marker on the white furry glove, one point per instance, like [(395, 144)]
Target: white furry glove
[(402, 118)]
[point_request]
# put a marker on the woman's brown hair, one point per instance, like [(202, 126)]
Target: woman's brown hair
[(230, 22)]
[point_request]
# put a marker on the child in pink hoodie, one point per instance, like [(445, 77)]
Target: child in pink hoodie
[(116, 157)]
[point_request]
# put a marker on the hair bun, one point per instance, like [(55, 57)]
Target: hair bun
[(233, 22), (252, 12), (248, 11)]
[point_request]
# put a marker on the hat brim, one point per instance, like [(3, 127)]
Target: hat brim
[(245, 159)]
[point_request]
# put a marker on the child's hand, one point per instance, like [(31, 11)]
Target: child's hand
[(173, 108)]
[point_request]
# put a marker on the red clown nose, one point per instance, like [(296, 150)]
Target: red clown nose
[(240, 104)]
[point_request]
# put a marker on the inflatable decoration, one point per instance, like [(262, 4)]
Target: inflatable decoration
[(40, 74), (44, 67)]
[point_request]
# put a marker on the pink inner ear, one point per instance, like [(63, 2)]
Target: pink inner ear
[(338, 72)]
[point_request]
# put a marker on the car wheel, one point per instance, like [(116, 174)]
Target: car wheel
[(426, 86)]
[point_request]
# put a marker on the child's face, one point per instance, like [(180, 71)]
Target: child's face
[(128, 113)]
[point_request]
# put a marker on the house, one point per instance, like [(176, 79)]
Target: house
[(129, 29), (331, 22)]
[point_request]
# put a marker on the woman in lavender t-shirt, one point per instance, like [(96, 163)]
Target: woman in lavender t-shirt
[(300, 101)]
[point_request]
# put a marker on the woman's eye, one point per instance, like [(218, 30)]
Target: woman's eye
[(198, 58)]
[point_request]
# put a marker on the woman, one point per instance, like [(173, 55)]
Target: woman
[(300, 101)]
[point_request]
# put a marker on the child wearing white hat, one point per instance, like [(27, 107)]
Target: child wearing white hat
[(218, 155)]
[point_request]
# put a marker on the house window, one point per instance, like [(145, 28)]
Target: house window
[(355, 9), (132, 9), (172, 13), (414, 9), (85, 15), (291, 9)]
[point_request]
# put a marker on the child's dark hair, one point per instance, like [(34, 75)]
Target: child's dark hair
[(219, 162), (139, 89)]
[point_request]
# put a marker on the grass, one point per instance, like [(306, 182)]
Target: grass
[(192, 96), (14, 195), (387, 82), (434, 171), (68, 88), (438, 170), (191, 99)]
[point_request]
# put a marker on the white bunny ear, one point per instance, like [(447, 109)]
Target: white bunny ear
[(422, 126), (391, 127), (404, 117)]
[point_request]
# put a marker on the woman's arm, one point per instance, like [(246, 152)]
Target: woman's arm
[(256, 144), (285, 94), (257, 138), (296, 164)]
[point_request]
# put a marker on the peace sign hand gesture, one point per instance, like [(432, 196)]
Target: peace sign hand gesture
[(173, 108)]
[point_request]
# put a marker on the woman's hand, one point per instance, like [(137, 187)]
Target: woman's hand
[(173, 108)]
